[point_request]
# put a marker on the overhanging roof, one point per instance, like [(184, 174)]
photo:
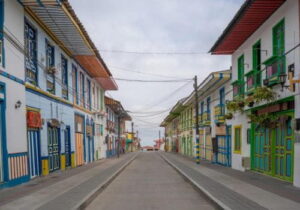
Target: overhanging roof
[(61, 22), (117, 107), (211, 83), (248, 19)]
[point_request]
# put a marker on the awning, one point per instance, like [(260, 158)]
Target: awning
[(62, 24), (249, 18)]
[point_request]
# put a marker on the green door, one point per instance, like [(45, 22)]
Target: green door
[(283, 152), (273, 149)]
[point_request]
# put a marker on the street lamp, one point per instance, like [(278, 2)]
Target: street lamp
[(282, 80)]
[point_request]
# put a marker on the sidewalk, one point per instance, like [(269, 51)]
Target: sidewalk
[(233, 189), (64, 190)]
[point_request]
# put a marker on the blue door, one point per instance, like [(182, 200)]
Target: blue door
[(67, 146), (1, 135), (90, 149), (33, 138), (224, 148)]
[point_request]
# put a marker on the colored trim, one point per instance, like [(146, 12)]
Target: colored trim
[(240, 139), (36, 90), (4, 137), (11, 77)]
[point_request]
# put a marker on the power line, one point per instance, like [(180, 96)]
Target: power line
[(145, 73), (151, 81)]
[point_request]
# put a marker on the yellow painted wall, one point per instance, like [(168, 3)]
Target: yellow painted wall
[(63, 162), (73, 163), (45, 167)]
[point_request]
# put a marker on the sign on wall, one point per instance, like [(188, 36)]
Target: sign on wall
[(34, 119)]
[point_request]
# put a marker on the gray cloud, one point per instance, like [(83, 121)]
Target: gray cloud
[(156, 25)]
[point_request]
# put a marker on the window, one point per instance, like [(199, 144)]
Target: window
[(89, 95), (208, 105), (222, 96), (64, 77), (102, 99), (257, 63), (98, 98), (50, 67), (237, 139), (75, 84), (241, 66), (31, 54), (81, 86), (276, 64)]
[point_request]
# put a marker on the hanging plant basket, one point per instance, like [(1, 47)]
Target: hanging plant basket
[(228, 116), (263, 94), (267, 120)]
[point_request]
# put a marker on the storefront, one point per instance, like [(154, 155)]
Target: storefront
[(273, 145)]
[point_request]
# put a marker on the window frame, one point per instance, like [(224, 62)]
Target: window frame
[(241, 74), (237, 150), (34, 61), (50, 65), (64, 77)]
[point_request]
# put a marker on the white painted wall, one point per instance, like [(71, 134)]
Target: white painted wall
[(14, 65)]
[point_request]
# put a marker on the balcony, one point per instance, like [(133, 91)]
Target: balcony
[(219, 113), (206, 118), (274, 66)]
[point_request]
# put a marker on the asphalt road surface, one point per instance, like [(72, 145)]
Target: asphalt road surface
[(150, 183)]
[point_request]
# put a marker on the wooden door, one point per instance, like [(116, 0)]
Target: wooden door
[(79, 149)]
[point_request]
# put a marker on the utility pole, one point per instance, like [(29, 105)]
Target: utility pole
[(119, 135), (197, 121), (132, 124)]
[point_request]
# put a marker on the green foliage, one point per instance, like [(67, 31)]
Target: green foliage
[(262, 94), (228, 116), (266, 120), (235, 105)]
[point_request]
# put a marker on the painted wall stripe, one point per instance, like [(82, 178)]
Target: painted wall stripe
[(11, 77)]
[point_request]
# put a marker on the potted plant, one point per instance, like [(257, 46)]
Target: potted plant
[(51, 70), (228, 116), (249, 101)]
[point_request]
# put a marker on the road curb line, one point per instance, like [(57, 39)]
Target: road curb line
[(93, 194), (195, 184)]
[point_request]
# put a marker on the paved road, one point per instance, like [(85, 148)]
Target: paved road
[(149, 183)]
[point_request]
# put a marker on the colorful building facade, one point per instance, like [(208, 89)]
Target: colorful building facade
[(56, 120), (262, 58)]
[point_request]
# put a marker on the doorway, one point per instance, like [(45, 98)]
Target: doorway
[(53, 148), (67, 146), (33, 138)]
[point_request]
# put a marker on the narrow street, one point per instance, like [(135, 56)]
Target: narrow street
[(150, 183)]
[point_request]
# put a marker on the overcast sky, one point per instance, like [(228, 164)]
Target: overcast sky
[(156, 26)]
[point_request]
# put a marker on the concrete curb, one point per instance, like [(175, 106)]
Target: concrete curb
[(215, 200), (93, 194)]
